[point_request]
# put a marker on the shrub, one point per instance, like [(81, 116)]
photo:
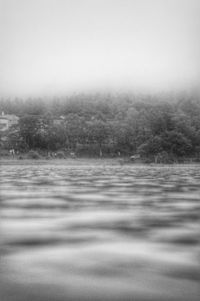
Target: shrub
[(60, 155), (4, 153), (33, 155)]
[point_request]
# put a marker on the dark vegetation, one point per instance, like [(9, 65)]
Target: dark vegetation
[(162, 129)]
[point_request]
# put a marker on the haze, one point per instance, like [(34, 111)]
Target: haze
[(51, 47)]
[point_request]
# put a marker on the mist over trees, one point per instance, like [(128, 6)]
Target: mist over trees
[(92, 125)]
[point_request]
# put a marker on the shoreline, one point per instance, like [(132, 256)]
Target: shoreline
[(70, 161), (85, 161)]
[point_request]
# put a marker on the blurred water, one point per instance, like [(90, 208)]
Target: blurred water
[(92, 232)]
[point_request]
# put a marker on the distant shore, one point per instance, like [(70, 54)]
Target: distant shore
[(67, 161), (82, 161)]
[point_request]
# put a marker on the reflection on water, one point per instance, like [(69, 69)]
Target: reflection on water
[(93, 232)]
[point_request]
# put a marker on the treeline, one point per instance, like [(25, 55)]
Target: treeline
[(165, 128)]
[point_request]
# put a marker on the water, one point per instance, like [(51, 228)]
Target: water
[(93, 232)]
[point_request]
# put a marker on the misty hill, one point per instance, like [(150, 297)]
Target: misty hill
[(163, 126)]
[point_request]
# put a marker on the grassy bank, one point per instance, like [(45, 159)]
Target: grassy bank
[(82, 162), (67, 161), (61, 157)]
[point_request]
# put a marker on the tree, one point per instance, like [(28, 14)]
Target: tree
[(29, 127), (176, 143), (152, 147), (98, 133)]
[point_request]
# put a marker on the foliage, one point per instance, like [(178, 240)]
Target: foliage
[(60, 155), (33, 155)]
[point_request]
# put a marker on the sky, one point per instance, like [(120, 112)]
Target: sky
[(57, 47)]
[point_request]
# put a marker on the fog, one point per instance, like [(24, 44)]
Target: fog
[(54, 47)]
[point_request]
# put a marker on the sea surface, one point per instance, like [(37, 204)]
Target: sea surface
[(99, 232)]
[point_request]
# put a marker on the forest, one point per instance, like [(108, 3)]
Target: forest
[(165, 127)]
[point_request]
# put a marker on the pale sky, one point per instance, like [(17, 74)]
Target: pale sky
[(53, 47)]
